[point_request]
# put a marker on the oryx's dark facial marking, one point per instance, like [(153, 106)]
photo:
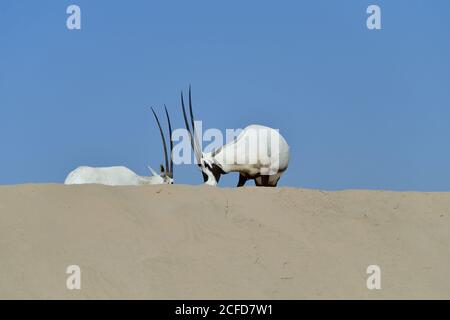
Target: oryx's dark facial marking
[(216, 171)]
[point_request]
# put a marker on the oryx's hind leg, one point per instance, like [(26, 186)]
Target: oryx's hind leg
[(267, 181), (262, 181), (242, 180)]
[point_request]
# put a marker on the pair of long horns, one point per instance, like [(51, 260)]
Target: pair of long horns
[(168, 168), (195, 144)]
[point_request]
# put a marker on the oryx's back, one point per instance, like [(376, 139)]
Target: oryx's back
[(259, 148), (111, 176)]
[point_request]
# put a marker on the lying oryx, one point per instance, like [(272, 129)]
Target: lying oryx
[(122, 176), (258, 153)]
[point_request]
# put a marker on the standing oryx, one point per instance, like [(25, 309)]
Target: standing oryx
[(122, 176), (258, 153)]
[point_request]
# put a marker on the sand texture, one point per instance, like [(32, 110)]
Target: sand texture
[(186, 242)]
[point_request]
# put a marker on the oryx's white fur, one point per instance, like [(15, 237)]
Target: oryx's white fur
[(113, 176), (258, 153), (253, 155)]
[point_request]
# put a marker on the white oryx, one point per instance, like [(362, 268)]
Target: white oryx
[(258, 153), (122, 176)]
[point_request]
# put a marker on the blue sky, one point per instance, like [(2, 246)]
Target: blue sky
[(360, 109)]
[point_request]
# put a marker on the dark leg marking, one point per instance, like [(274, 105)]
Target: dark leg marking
[(276, 182), (242, 180), (266, 181)]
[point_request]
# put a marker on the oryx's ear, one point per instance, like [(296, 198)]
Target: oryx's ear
[(152, 171), (161, 168)]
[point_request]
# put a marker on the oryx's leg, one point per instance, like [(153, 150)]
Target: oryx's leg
[(267, 181), (262, 181), (273, 181), (242, 180)]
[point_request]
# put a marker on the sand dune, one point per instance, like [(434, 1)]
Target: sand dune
[(184, 242)]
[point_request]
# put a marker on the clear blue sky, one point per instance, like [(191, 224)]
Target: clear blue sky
[(359, 108)]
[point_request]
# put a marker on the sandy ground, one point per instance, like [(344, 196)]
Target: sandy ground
[(184, 242)]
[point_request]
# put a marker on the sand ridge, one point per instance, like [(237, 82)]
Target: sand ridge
[(199, 242)]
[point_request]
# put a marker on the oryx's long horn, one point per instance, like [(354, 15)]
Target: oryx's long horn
[(163, 140), (186, 122), (197, 142), (171, 143)]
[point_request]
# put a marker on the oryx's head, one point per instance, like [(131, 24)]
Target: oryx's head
[(166, 172), (211, 170)]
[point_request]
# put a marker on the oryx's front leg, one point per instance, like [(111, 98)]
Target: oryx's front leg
[(242, 180)]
